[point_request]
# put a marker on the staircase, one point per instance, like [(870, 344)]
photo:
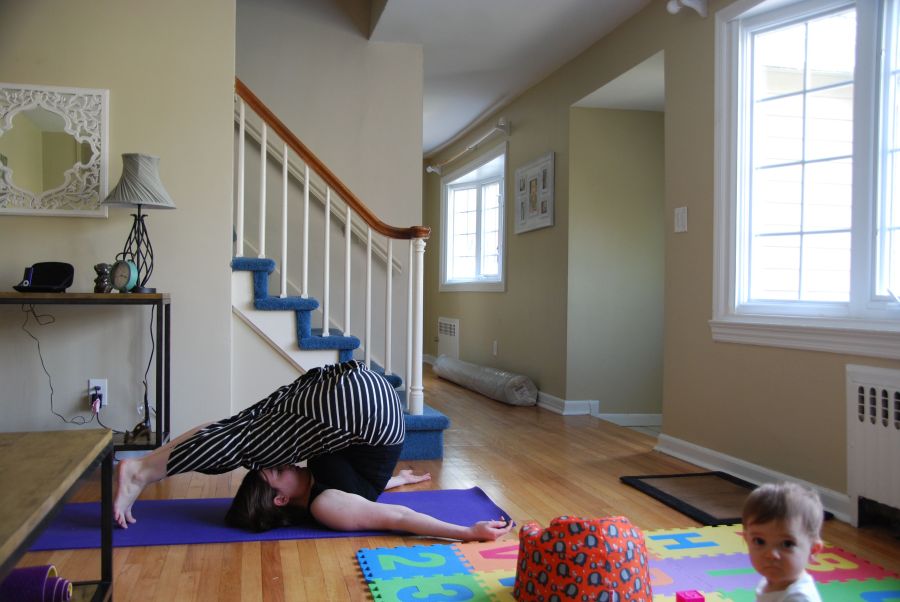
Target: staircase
[(285, 321)]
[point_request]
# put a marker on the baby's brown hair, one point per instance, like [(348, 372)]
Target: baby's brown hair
[(784, 501)]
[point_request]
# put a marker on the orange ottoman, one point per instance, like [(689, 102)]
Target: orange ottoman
[(601, 559)]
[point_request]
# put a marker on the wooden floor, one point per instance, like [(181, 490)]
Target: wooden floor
[(533, 463)]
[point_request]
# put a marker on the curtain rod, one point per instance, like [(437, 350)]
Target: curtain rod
[(502, 126)]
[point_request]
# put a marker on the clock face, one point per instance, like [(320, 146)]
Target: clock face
[(123, 275)]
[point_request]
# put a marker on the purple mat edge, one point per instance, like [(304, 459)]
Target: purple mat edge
[(462, 506)]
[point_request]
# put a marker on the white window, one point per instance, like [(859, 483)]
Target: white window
[(807, 240), (472, 215)]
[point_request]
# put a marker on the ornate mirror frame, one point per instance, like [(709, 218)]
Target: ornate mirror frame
[(85, 113)]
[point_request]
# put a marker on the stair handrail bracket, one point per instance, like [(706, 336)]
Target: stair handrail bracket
[(277, 142)]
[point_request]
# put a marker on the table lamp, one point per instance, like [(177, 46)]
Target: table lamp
[(139, 186)]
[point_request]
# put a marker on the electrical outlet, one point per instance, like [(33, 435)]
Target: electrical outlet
[(494, 348), (104, 390)]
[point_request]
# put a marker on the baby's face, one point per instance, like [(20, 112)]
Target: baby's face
[(779, 551)]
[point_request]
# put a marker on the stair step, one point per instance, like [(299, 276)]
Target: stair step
[(424, 435), (253, 264), (286, 303)]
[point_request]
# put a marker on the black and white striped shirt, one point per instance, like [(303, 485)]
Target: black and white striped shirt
[(325, 410)]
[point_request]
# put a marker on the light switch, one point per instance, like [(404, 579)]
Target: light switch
[(681, 219)]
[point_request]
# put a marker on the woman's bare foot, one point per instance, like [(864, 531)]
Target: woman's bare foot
[(129, 485), (409, 477)]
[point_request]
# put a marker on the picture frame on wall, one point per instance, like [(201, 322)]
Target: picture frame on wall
[(534, 194)]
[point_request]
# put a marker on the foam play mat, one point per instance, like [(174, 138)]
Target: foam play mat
[(712, 560)]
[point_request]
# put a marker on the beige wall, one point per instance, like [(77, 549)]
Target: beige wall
[(169, 66), (616, 246), (778, 408)]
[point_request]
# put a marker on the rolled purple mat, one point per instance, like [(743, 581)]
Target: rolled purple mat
[(27, 584), (57, 589)]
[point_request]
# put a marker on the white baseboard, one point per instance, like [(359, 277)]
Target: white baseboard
[(632, 419), (567, 407), (840, 504)]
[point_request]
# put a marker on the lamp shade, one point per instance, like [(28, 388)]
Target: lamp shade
[(140, 184)]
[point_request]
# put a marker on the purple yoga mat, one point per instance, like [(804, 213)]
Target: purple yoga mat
[(190, 521), (35, 584)]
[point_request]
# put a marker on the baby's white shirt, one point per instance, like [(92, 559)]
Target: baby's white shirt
[(801, 590)]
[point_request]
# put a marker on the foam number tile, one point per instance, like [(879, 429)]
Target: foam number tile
[(436, 588), (390, 563), (706, 573), (491, 555), (691, 543), (498, 584), (835, 564)]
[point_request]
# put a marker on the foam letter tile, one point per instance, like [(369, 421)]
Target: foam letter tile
[(498, 584), (707, 573), (437, 588), (490, 556), (691, 543), (835, 564), (870, 590), (709, 596), (414, 561)]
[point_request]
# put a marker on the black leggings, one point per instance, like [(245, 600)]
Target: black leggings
[(360, 469)]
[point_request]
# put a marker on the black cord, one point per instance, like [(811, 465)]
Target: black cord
[(150, 359), (43, 320)]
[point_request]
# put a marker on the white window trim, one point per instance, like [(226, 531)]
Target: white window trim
[(493, 286), (866, 337)]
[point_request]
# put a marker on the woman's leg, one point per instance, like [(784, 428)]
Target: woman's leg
[(133, 475)]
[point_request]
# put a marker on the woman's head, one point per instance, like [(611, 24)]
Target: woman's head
[(269, 498)]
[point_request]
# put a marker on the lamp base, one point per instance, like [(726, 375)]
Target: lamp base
[(142, 289)]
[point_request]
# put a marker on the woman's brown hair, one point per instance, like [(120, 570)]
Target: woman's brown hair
[(253, 507)]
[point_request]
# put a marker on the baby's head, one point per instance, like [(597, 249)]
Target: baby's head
[(781, 526)]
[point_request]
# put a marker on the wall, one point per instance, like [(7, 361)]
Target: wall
[(358, 106), (777, 408), (169, 66), (616, 247)]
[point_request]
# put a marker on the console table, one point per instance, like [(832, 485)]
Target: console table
[(39, 472), (163, 304)]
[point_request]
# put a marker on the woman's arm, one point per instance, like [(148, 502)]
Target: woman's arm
[(406, 477), (349, 512)]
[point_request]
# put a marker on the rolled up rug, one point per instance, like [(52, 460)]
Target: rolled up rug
[(35, 584)]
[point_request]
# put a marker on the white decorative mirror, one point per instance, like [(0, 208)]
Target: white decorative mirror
[(53, 150)]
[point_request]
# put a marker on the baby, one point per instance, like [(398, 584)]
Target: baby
[(781, 527)]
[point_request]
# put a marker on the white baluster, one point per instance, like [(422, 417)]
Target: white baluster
[(409, 321), (263, 155), (388, 306), (348, 239), (368, 325), (284, 220), (416, 393), (305, 284), (239, 218), (325, 302)]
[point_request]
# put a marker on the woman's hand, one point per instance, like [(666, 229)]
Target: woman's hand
[(489, 530)]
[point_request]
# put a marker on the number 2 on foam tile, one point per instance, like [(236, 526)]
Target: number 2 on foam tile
[(389, 562)]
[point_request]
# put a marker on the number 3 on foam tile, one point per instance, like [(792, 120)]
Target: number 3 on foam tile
[(414, 594), (389, 562)]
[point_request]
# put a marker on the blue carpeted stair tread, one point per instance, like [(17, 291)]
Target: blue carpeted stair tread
[(330, 342), (286, 303), (253, 264)]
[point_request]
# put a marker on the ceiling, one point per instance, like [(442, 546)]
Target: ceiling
[(481, 54)]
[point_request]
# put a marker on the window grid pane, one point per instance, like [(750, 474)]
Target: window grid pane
[(801, 185), (474, 218), (888, 251)]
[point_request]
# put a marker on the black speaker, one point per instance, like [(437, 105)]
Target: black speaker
[(47, 277)]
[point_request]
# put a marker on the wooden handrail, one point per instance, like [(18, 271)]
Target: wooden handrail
[(326, 174)]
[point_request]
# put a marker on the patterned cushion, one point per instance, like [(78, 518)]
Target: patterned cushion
[(601, 559)]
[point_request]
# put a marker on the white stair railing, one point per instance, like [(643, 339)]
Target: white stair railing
[(358, 221)]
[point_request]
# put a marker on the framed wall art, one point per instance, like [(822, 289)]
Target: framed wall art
[(534, 194)]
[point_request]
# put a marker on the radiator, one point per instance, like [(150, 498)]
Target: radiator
[(448, 337), (873, 434)]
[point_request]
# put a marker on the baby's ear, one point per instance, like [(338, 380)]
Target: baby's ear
[(817, 546)]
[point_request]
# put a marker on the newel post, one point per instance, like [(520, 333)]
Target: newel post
[(416, 398)]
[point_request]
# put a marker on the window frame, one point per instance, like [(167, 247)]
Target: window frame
[(864, 326), (478, 284)]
